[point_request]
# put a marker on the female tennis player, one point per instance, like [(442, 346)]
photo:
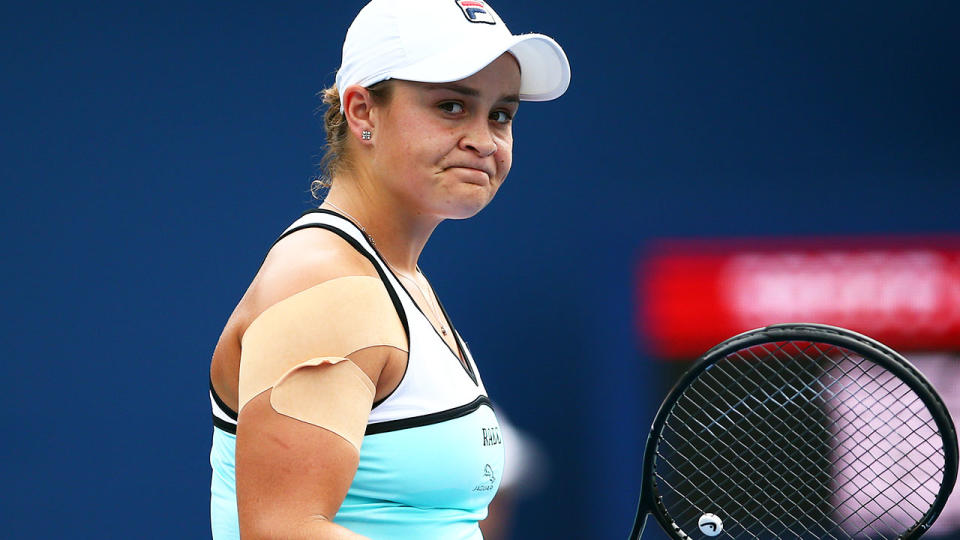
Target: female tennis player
[(360, 412)]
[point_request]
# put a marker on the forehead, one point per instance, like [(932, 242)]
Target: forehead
[(499, 81)]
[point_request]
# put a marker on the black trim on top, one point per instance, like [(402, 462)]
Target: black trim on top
[(224, 425), (286, 233), (308, 225), (428, 419), (223, 406), (398, 306), (464, 359)]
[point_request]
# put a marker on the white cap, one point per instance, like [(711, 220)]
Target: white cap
[(436, 41)]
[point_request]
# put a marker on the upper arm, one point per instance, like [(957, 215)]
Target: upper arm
[(289, 473), (311, 359)]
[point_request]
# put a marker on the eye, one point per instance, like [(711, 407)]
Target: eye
[(501, 117), (452, 107)]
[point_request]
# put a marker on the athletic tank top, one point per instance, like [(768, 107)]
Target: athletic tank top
[(432, 456)]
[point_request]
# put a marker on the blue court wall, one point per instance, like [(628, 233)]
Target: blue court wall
[(151, 152)]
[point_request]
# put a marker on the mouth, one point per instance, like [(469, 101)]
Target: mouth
[(473, 169)]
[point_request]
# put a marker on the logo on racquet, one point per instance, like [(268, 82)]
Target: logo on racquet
[(710, 524)]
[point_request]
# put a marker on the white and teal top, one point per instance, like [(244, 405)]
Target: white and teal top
[(432, 456)]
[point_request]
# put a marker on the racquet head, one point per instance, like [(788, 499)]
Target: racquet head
[(799, 431)]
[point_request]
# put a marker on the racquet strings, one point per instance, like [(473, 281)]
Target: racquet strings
[(799, 440)]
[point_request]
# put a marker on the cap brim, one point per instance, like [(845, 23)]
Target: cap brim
[(544, 69)]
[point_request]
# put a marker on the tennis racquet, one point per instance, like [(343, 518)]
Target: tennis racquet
[(799, 431)]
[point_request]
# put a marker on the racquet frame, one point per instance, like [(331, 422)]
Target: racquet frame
[(650, 502)]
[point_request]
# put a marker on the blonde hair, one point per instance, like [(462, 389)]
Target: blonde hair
[(336, 159)]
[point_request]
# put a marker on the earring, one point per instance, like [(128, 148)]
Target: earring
[(366, 135)]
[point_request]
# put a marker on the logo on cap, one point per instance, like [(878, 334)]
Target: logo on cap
[(476, 12)]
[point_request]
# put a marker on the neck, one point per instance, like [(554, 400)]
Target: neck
[(399, 233)]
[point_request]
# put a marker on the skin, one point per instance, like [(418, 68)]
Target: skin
[(438, 151), (496, 526)]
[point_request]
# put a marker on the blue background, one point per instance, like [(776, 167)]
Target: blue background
[(151, 152)]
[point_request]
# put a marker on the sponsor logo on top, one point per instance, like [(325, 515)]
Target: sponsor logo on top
[(488, 480), (491, 436), (476, 11)]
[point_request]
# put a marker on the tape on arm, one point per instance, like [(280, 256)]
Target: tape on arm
[(298, 347)]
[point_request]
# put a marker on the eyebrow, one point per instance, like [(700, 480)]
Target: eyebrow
[(472, 92)]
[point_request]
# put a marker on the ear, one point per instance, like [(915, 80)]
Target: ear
[(357, 108)]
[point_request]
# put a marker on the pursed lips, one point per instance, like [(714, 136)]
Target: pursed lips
[(480, 168)]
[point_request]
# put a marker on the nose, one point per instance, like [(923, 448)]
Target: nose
[(479, 139)]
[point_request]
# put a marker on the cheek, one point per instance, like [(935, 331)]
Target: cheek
[(504, 164), (414, 138), (504, 157), (432, 143)]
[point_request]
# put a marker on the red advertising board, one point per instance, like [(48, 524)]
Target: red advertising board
[(904, 291)]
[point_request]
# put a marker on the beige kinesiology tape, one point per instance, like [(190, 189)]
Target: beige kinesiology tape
[(298, 347), (332, 393)]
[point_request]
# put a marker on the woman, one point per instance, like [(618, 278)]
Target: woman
[(361, 412)]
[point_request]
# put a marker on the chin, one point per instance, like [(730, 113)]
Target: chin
[(464, 212), (466, 203), (466, 208)]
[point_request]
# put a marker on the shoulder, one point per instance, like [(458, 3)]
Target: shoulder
[(299, 261)]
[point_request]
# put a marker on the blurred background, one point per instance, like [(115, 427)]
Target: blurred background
[(715, 166)]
